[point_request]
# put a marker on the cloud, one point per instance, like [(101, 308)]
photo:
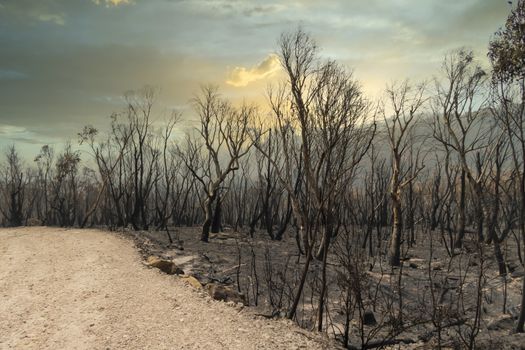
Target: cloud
[(12, 133), (11, 75), (219, 8), (58, 19), (263, 10), (25, 11), (6, 129), (73, 76), (109, 3), (241, 76)]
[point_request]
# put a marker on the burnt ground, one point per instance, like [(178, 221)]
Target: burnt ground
[(256, 265)]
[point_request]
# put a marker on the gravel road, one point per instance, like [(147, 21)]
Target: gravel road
[(88, 289)]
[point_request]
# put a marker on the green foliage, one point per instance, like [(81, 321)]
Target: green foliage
[(507, 49)]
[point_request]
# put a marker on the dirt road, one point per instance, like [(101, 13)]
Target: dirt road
[(88, 289)]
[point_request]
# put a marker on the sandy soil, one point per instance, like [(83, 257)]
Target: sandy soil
[(88, 289)]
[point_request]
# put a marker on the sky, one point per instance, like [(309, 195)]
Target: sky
[(67, 63)]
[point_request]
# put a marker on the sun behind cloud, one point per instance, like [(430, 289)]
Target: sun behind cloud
[(242, 76)]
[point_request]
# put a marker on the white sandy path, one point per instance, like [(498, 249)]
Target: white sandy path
[(87, 289)]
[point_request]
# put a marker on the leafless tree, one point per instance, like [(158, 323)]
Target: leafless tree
[(14, 188), (405, 102), (44, 161), (65, 187), (320, 118), (461, 125), (222, 141)]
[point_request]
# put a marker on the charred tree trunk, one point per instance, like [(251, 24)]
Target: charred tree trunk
[(216, 222), (461, 211), (208, 210), (394, 251), (299, 291)]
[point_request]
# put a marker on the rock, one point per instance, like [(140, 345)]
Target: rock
[(178, 244), (514, 311), (34, 222), (511, 266), (369, 318), (178, 271), (192, 281), (165, 266), (224, 293), (437, 266), (517, 274), (504, 323), (214, 258), (413, 265)]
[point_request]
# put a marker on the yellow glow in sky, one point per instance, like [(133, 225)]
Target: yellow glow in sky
[(241, 76)]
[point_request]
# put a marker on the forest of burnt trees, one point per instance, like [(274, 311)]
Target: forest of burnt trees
[(354, 182)]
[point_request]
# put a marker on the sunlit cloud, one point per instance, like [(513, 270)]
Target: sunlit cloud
[(241, 76), (58, 19), (109, 3)]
